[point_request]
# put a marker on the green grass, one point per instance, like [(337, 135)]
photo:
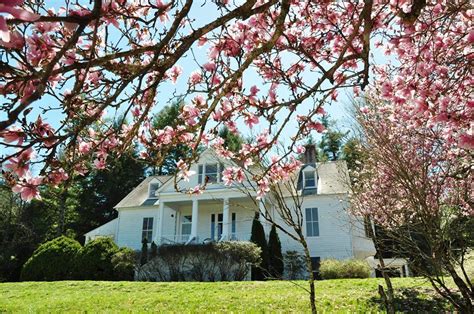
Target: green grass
[(350, 295)]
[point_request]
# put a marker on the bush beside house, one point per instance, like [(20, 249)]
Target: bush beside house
[(95, 260), (52, 260), (336, 269), (64, 258)]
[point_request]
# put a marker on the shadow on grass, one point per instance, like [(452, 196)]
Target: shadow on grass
[(416, 300)]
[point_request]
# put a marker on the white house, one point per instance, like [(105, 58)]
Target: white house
[(156, 211)]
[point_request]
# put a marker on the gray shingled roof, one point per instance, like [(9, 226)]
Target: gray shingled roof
[(139, 195)]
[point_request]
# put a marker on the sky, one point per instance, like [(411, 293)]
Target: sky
[(203, 14)]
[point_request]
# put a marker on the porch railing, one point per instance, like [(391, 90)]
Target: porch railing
[(184, 238)]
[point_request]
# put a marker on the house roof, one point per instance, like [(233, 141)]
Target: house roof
[(333, 178), (139, 195)]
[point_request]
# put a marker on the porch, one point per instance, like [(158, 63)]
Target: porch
[(201, 220)]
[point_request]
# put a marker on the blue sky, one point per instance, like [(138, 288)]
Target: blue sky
[(203, 14)]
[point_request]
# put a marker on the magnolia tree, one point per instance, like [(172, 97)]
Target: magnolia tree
[(416, 183), (68, 67)]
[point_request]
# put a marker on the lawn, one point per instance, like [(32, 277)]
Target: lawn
[(350, 295)]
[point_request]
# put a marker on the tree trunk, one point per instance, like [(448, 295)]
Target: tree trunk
[(467, 294), (389, 296), (309, 268)]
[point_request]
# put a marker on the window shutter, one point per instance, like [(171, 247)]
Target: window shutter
[(200, 174)]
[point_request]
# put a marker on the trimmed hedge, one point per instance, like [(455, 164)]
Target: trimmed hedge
[(219, 261), (336, 269), (52, 260)]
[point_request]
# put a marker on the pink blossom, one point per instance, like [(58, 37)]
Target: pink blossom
[(99, 163), (28, 188), (250, 120), (13, 134), (175, 72), (10, 6), (84, 147), (195, 78)]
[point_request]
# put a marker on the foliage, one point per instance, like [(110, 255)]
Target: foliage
[(275, 256), (353, 153), (144, 252), (415, 183), (95, 260), (337, 269), (153, 250), (164, 161), (258, 237), (294, 265), (331, 141), (221, 261), (233, 142), (335, 296), (53, 260), (102, 189), (124, 263)]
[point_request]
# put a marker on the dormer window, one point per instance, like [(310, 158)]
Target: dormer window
[(309, 179), (210, 173), (154, 186)]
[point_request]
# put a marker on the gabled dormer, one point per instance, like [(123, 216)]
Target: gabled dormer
[(310, 178), (210, 172), (153, 186)]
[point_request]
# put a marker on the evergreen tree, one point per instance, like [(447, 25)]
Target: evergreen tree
[(353, 153), (258, 237), (169, 116), (144, 252), (275, 256), (153, 250), (331, 141), (232, 141), (101, 190)]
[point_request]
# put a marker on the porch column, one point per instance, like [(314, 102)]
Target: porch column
[(160, 225), (194, 220), (225, 220)]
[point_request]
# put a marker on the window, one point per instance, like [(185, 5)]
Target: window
[(147, 230), (186, 222), (211, 172), (312, 222), (152, 190), (233, 224), (309, 179)]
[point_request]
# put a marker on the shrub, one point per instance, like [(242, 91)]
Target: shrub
[(144, 252), (124, 263), (275, 257), (294, 265), (259, 272), (53, 260), (153, 249), (95, 260), (201, 262), (335, 269)]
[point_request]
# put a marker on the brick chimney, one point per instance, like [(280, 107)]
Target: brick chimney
[(309, 154)]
